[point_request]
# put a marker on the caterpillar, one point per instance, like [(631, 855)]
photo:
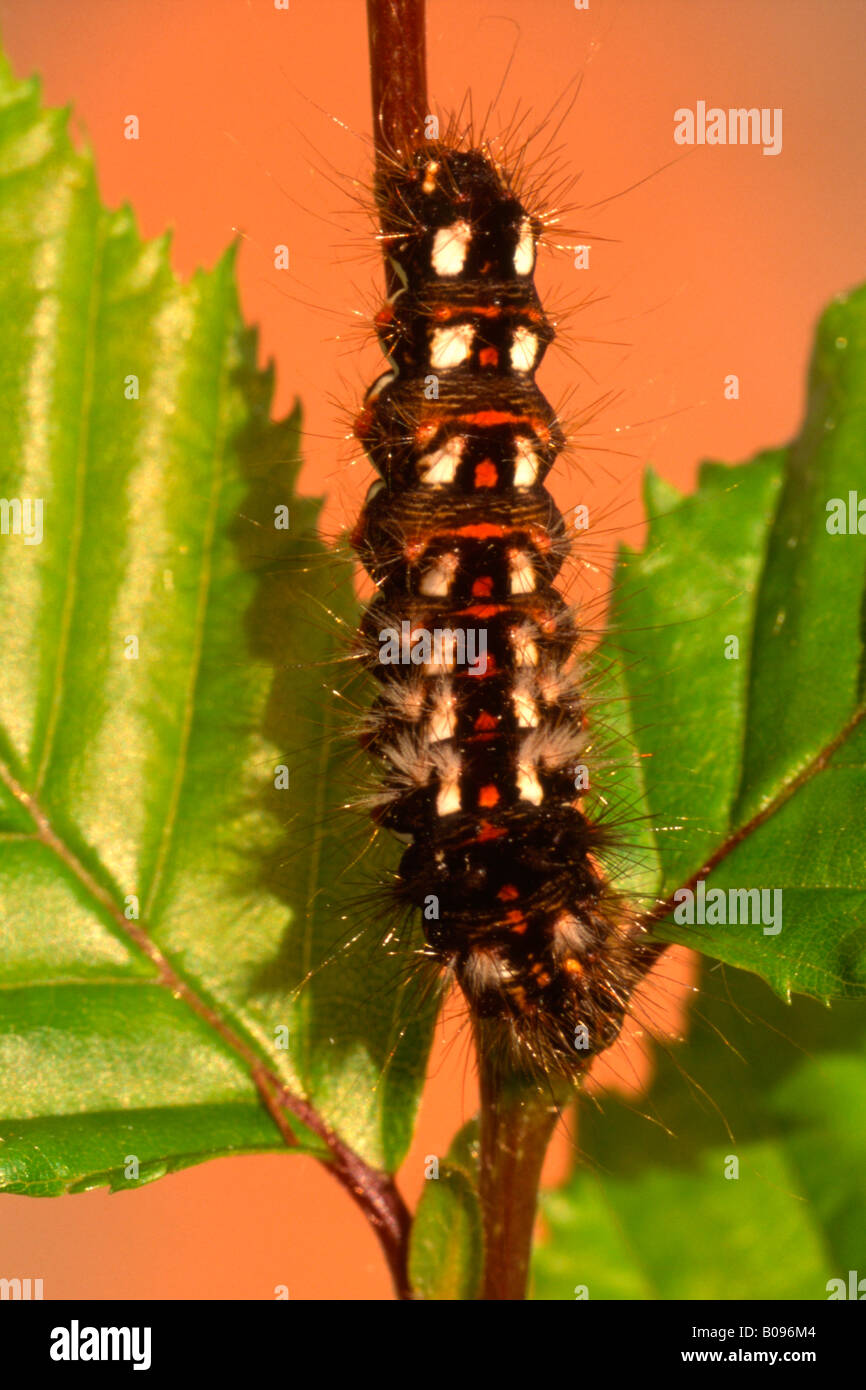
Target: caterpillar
[(480, 720)]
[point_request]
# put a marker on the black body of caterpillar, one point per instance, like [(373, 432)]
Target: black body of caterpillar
[(479, 723)]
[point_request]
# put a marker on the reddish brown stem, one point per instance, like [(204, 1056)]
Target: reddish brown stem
[(517, 1120), (398, 75), (375, 1192)]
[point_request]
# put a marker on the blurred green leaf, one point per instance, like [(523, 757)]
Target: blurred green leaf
[(658, 1209), (446, 1250)]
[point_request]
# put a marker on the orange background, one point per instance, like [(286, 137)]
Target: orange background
[(256, 120)]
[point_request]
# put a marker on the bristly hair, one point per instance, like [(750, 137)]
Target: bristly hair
[(481, 727)]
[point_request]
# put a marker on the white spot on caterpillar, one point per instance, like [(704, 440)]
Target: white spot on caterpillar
[(448, 797), (450, 245), (430, 173), (522, 572), (524, 347), (525, 462), (570, 936), (441, 465), (525, 709), (444, 654), (528, 784), (436, 581), (524, 255), (450, 347), (484, 970), (414, 759), (379, 385), (443, 721), (373, 491), (525, 650)]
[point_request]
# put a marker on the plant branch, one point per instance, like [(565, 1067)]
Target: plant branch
[(398, 75), (518, 1117), (375, 1192)]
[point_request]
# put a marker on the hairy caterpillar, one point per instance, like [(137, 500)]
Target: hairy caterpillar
[(480, 724)]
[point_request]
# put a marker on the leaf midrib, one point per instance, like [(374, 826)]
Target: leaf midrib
[(168, 975)]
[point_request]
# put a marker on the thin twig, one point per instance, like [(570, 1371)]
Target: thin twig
[(375, 1192)]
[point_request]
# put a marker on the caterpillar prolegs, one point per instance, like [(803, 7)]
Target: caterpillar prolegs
[(480, 723)]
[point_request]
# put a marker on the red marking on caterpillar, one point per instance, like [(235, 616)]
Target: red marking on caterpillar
[(478, 776)]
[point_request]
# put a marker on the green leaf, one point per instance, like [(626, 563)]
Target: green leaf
[(654, 1209), (161, 901), (751, 770), (755, 764), (446, 1249)]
